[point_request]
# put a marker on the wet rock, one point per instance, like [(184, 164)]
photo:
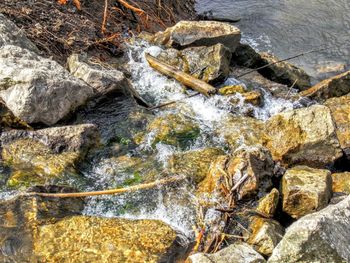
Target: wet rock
[(319, 237), (333, 87), (103, 80), (199, 33), (232, 89), (341, 182), (340, 108), (284, 72), (10, 34), (305, 190), (194, 164), (171, 129), (239, 253), (265, 234), (210, 64), (113, 240), (36, 89), (246, 56), (239, 131), (303, 136), (268, 204)]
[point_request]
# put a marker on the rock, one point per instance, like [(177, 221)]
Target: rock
[(242, 131), (303, 136), (10, 34), (333, 87), (210, 64), (232, 89), (284, 72), (265, 235), (340, 108), (238, 253), (8, 120), (341, 182), (305, 190), (319, 237), (199, 33), (268, 204), (36, 89), (246, 56), (112, 240), (103, 80), (171, 129), (194, 164), (254, 162)]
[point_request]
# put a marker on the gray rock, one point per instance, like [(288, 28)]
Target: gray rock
[(237, 253), (199, 33), (207, 63), (10, 34), (36, 89), (323, 236), (103, 80)]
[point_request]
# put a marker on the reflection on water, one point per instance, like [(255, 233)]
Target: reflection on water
[(289, 27)]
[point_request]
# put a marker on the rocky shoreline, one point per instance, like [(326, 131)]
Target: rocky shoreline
[(268, 190)]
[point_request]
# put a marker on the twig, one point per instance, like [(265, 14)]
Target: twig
[(238, 184), (105, 13), (112, 191), (172, 102), (291, 87)]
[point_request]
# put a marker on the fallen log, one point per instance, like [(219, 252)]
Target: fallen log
[(184, 78), (129, 189)]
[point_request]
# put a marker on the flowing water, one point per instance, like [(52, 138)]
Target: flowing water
[(289, 27)]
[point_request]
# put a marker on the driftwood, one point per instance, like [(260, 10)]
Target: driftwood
[(184, 78), (112, 191)]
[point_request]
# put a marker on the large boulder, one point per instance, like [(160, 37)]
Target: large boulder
[(199, 33), (36, 89), (303, 136), (323, 236), (305, 190), (340, 108), (207, 63), (10, 34), (238, 253), (112, 240), (103, 79), (333, 87)]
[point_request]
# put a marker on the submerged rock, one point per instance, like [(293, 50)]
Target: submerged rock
[(238, 253), (340, 108), (305, 190), (103, 80), (333, 87), (10, 34), (268, 204), (37, 89), (264, 235), (341, 182), (199, 33), (319, 237), (92, 239), (303, 136), (210, 64)]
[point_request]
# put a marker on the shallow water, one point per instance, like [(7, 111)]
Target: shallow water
[(287, 27)]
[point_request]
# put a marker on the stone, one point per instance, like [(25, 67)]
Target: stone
[(305, 190), (8, 120), (264, 235), (238, 253), (210, 64), (284, 72), (199, 33), (37, 89), (303, 136), (246, 56), (171, 129), (341, 182), (319, 237), (194, 164), (333, 87), (10, 34), (340, 108), (232, 89), (268, 204), (102, 79), (105, 239)]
